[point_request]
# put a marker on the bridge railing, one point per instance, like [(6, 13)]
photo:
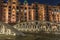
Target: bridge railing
[(36, 26), (32, 26), (9, 30)]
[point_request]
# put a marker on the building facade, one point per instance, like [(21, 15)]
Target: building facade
[(14, 12), (10, 11), (5, 12), (54, 13), (27, 13), (33, 12), (41, 12), (1, 1)]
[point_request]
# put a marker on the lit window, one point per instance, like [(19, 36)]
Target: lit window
[(17, 10), (21, 10), (58, 10), (25, 11)]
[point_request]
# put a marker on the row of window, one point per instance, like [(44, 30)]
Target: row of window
[(14, 7)]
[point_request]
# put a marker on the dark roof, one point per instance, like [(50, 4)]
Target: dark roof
[(58, 4)]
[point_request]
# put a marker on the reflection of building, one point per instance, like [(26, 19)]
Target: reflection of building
[(54, 12), (14, 12)]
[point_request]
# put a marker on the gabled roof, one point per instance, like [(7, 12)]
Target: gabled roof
[(25, 2)]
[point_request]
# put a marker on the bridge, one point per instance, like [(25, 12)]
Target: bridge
[(7, 29), (37, 26), (31, 26)]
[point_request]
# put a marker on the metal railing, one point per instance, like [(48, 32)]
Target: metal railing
[(36, 26), (4, 28)]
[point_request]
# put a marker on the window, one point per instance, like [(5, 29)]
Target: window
[(49, 9), (13, 2), (58, 10), (9, 16), (9, 9), (25, 14), (36, 23), (25, 8), (12, 18), (13, 15), (4, 9), (29, 18), (25, 17), (17, 10), (29, 15), (54, 9), (21, 7), (9, 6), (13, 6), (5, 6), (25, 11), (13, 11), (9, 13), (4, 16), (17, 7), (17, 17), (17, 13), (29, 8)]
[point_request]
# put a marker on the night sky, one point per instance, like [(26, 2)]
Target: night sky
[(48, 2)]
